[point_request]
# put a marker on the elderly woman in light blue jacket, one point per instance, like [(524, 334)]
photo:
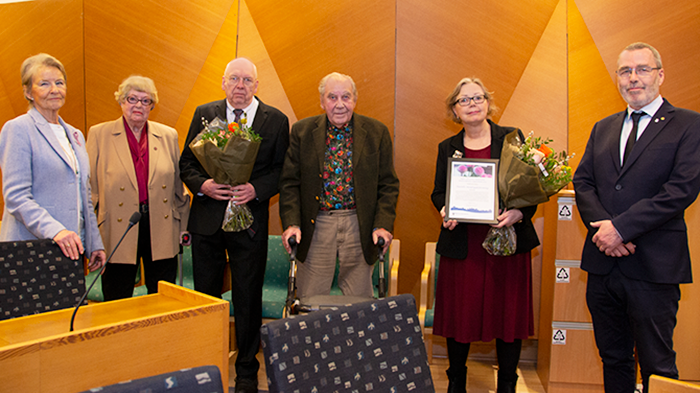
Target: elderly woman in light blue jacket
[(46, 170)]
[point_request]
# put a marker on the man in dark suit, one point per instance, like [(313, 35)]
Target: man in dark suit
[(247, 250), (338, 192), (640, 171)]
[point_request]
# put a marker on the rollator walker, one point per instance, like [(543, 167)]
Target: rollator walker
[(294, 305)]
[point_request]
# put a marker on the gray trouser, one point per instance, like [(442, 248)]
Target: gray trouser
[(336, 236)]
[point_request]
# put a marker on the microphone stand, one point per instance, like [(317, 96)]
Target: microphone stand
[(132, 221)]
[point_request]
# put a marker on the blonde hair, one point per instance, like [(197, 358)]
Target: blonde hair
[(451, 100), (138, 83)]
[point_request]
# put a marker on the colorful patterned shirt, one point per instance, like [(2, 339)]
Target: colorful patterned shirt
[(338, 184)]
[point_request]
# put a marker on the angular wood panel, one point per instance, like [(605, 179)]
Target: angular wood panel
[(165, 41), (53, 27), (306, 40)]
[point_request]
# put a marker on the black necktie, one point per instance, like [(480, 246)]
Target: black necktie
[(239, 112), (633, 135)]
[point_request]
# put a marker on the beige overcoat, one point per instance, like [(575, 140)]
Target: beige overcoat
[(115, 190)]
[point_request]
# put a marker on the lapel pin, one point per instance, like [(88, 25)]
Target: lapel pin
[(663, 118), (656, 120)]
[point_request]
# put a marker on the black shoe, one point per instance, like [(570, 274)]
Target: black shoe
[(458, 380), (246, 385), (504, 386)]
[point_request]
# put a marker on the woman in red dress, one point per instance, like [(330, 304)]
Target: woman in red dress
[(480, 297)]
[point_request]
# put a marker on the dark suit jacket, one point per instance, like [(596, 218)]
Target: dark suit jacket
[(453, 243), (376, 183), (206, 214), (647, 198)]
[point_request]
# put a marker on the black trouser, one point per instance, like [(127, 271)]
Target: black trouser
[(247, 259), (118, 278), (630, 313)]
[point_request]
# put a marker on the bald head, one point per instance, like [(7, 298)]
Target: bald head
[(240, 82)]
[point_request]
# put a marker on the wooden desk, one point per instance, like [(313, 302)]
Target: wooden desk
[(114, 341)]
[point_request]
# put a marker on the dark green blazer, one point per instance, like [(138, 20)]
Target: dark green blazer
[(376, 183)]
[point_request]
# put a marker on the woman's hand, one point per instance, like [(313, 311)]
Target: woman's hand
[(508, 218), (449, 224), (97, 260), (70, 244)]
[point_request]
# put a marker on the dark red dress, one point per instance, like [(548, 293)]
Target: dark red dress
[(483, 297)]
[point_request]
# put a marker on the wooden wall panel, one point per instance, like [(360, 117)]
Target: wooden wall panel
[(436, 47), (207, 86), (307, 39), (53, 27), (592, 94), (167, 42), (252, 46), (673, 28)]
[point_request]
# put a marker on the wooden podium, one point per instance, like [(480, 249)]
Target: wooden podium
[(567, 358), (114, 341)]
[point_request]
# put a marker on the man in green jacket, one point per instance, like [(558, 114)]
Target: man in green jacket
[(339, 190)]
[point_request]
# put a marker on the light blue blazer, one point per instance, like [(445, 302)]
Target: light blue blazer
[(38, 183)]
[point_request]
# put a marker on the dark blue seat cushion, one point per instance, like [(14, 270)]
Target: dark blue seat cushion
[(204, 379)]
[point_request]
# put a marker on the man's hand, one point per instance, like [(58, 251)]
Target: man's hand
[(292, 231), (220, 192), (449, 224), (244, 193), (622, 250), (608, 240), (97, 260), (508, 218), (70, 244), (383, 233)]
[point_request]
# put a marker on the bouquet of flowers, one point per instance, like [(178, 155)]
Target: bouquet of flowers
[(529, 173), (555, 172), (228, 152)]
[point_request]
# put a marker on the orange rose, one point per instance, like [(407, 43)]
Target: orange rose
[(545, 150)]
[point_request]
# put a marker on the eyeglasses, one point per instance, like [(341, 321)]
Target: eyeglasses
[(641, 72), (464, 101), (246, 81), (133, 101)]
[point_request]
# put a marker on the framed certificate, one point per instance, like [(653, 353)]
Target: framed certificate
[(472, 190)]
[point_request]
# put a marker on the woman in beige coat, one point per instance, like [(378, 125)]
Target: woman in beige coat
[(134, 167)]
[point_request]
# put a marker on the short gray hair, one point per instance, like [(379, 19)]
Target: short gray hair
[(644, 45), (337, 77), (138, 83), (31, 64)]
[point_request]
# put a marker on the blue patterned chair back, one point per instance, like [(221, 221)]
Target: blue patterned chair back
[(371, 346)]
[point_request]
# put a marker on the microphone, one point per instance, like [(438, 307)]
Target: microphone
[(132, 221)]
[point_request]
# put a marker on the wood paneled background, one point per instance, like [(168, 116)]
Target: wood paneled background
[(550, 64)]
